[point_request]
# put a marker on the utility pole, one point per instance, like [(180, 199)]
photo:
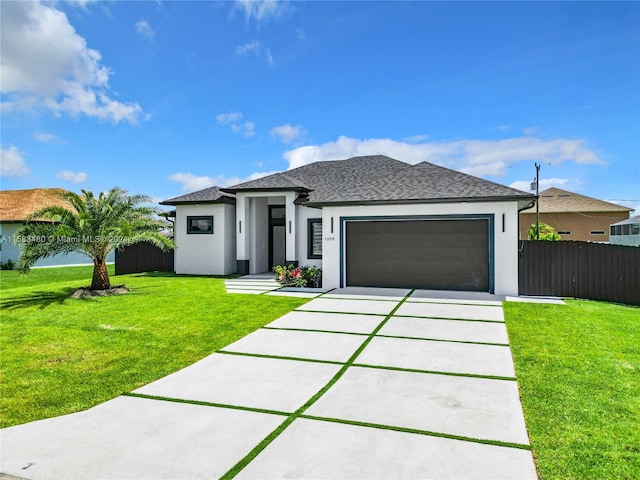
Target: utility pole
[(537, 202)]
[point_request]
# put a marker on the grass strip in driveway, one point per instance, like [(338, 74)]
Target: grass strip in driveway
[(433, 372), (279, 357), (394, 428), (315, 330), (298, 413), (206, 404), (405, 337)]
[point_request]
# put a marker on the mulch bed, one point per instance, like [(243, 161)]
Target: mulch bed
[(86, 292)]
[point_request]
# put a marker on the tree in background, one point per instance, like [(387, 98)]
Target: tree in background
[(546, 233), (93, 226)]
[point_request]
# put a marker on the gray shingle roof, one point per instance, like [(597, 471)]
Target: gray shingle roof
[(324, 178), (208, 195), (380, 179)]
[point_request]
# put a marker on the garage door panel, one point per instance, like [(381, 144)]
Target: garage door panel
[(433, 254)]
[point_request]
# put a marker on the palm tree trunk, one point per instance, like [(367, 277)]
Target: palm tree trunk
[(100, 280)]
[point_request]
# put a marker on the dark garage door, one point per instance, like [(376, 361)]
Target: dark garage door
[(426, 254)]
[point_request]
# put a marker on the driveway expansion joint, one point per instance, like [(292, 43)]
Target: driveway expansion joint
[(290, 329), (300, 309), (468, 342), (395, 428), (434, 372), (205, 404), (279, 357), (450, 318)]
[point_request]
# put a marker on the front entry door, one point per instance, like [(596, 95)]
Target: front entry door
[(277, 235)]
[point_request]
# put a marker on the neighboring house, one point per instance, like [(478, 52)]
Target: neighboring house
[(626, 232), (367, 221), (574, 216), (15, 208)]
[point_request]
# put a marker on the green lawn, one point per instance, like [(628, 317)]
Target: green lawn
[(61, 355), (578, 367)]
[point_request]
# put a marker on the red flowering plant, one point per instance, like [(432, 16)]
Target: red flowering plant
[(292, 276)]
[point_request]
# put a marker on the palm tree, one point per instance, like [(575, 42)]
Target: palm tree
[(93, 226)]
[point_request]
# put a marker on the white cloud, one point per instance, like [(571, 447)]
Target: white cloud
[(226, 118), (531, 131), (12, 163), (46, 137), (193, 183), (255, 48), (252, 48), (46, 64), (234, 120), (288, 133), (261, 10), (477, 157), (75, 177), (525, 185), (245, 129), (144, 30)]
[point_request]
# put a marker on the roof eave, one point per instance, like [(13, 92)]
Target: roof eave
[(271, 189), (528, 199), (226, 200)]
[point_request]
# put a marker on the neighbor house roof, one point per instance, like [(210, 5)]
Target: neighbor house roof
[(17, 205), (208, 195), (555, 200), (631, 221), (380, 179)]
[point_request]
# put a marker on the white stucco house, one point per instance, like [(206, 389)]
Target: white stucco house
[(367, 221)]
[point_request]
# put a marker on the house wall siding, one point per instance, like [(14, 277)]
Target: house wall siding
[(304, 214), (204, 254), (229, 236), (505, 264), (579, 224)]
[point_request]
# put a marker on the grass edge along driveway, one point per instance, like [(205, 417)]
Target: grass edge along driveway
[(61, 355), (578, 369)]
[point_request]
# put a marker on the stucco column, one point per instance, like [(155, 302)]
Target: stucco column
[(291, 228), (242, 234)]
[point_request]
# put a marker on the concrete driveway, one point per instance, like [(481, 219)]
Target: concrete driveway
[(357, 383)]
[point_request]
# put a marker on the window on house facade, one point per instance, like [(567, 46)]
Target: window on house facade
[(564, 232), (200, 225), (314, 238), (596, 232)]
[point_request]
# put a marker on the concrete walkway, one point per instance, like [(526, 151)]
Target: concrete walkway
[(357, 383)]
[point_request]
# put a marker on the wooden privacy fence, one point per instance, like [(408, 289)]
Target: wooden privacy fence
[(143, 257), (596, 271)]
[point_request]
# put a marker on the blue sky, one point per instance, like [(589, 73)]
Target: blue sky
[(168, 97)]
